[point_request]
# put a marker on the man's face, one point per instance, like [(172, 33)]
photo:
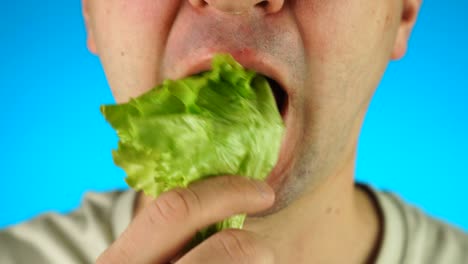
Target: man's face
[(329, 56)]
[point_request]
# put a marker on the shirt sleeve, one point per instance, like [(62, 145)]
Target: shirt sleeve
[(411, 236), (78, 237)]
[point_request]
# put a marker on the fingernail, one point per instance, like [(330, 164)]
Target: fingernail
[(263, 188)]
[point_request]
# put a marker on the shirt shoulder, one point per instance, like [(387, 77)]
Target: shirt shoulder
[(78, 237), (411, 236)]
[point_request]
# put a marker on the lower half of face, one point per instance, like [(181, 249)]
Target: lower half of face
[(328, 55)]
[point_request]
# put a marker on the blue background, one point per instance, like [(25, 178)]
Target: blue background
[(55, 145)]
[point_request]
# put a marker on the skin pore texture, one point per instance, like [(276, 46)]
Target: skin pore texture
[(328, 54)]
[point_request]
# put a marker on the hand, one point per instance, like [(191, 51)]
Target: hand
[(161, 230)]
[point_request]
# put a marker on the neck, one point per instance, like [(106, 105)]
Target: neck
[(336, 222)]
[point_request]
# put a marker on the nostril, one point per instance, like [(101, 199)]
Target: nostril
[(238, 6), (198, 3), (270, 6), (262, 4)]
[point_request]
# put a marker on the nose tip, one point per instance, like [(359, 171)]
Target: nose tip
[(240, 6)]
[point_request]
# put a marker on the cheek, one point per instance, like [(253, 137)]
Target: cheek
[(121, 16), (348, 45), (130, 37), (338, 29)]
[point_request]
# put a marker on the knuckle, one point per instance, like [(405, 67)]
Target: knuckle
[(238, 247), (173, 206)]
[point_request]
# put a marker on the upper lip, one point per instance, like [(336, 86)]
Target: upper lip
[(249, 59)]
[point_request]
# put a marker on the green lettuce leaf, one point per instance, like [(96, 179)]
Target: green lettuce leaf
[(221, 122)]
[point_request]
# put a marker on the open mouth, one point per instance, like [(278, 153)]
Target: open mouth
[(281, 96), (279, 91)]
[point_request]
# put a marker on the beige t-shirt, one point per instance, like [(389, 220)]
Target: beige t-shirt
[(409, 235)]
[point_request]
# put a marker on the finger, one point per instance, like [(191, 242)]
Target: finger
[(163, 227), (230, 246)]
